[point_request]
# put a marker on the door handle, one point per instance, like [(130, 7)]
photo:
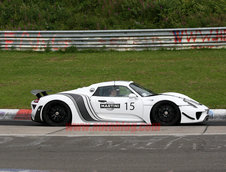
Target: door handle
[(102, 101)]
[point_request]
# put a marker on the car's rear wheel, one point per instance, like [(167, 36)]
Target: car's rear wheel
[(57, 113), (165, 113)]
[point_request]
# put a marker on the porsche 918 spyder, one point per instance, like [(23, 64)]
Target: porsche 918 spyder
[(115, 101)]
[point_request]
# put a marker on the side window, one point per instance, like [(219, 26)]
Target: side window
[(112, 91), (124, 91), (103, 91)]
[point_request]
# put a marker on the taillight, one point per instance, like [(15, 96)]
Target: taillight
[(36, 100)]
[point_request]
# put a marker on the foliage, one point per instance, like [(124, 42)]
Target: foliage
[(110, 14)]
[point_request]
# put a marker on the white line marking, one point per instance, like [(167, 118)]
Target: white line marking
[(194, 146), (5, 140), (171, 142)]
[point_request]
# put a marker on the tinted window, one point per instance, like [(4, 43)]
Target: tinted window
[(112, 91), (141, 90)]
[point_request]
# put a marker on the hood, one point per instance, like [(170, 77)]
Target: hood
[(178, 95)]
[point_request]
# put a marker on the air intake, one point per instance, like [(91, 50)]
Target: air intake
[(198, 115)]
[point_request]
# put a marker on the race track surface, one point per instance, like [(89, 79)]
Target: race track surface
[(28, 145)]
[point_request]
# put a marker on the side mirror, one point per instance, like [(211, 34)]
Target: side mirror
[(132, 96)]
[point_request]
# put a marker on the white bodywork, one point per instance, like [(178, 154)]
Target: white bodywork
[(132, 108)]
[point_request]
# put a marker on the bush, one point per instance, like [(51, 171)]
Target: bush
[(110, 14)]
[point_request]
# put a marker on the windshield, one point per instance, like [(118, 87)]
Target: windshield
[(141, 90)]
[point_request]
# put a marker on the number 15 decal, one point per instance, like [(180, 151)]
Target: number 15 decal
[(130, 106)]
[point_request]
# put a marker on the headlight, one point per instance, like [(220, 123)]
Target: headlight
[(190, 102), (210, 113)]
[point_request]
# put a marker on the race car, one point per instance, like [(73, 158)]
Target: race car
[(115, 101)]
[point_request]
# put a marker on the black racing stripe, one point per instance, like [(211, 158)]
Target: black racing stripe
[(91, 109), (188, 116), (82, 108)]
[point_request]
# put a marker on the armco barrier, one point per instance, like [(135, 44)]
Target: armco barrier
[(141, 39)]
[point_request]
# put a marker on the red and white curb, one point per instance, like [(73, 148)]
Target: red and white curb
[(25, 114), (15, 114)]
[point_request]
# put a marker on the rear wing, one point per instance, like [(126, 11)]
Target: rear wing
[(40, 93)]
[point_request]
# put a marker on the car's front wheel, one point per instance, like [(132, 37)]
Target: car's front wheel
[(57, 113), (165, 113)]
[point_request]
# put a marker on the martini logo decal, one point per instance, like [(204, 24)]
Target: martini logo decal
[(110, 106)]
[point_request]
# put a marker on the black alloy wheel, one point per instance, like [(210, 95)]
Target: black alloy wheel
[(57, 113), (165, 113)]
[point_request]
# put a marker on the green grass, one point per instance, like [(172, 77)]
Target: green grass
[(200, 74)]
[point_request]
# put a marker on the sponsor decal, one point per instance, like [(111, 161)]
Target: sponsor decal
[(110, 106), (92, 89)]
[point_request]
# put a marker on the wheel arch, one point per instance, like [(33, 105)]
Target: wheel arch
[(60, 97)]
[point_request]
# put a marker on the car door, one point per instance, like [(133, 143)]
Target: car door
[(115, 103)]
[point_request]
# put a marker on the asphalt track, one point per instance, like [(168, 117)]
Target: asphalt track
[(29, 145)]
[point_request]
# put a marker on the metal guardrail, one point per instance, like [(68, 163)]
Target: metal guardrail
[(141, 39)]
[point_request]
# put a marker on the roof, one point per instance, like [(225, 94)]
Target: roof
[(101, 84)]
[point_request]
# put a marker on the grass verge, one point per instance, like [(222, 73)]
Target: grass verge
[(200, 74)]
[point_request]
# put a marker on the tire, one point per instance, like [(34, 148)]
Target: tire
[(57, 113), (165, 113)]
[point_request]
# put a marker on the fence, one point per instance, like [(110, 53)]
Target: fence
[(142, 39)]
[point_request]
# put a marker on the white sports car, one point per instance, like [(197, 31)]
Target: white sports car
[(116, 101)]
